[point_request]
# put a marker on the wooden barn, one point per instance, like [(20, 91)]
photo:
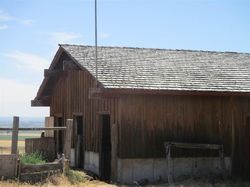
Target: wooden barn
[(142, 98)]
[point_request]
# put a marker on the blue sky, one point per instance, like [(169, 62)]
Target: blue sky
[(30, 31)]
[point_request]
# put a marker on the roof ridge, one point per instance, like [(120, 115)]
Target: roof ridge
[(161, 49)]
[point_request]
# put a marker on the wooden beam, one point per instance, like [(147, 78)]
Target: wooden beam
[(69, 65), (194, 145), (232, 134), (116, 92), (36, 129), (43, 101), (95, 93), (49, 122), (68, 138), (51, 73), (114, 159), (14, 135)]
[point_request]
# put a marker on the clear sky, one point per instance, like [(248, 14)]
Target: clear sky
[(30, 31)]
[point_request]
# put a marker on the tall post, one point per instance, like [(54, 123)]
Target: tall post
[(14, 135), (96, 55), (169, 164), (233, 135), (68, 138)]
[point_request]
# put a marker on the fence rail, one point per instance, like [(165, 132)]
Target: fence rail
[(35, 129), (36, 172), (168, 146)]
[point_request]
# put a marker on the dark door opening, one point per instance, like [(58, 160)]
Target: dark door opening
[(59, 135), (79, 142), (247, 148), (105, 148)]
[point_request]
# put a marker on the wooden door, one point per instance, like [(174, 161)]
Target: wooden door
[(105, 148), (59, 135), (247, 147), (79, 141)]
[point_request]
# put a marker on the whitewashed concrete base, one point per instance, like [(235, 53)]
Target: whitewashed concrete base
[(130, 170), (72, 157), (91, 161)]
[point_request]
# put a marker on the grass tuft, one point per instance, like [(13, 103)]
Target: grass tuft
[(75, 176), (33, 158)]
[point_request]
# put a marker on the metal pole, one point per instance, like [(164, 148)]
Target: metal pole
[(96, 68)]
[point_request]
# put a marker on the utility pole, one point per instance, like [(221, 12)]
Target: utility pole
[(96, 54)]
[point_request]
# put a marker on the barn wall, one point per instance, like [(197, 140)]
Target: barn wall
[(144, 122), (241, 156), (148, 121), (71, 96), (156, 169)]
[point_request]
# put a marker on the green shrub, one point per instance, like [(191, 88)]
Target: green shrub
[(33, 158), (75, 176)]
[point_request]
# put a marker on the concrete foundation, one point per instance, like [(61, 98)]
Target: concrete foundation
[(8, 166), (130, 170), (72, 157), (91, 161)]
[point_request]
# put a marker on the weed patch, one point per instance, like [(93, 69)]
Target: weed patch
[(75, 176), (33, 158)]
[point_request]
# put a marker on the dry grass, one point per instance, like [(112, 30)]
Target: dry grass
[(7, 143), (57, 181), (5, 146)]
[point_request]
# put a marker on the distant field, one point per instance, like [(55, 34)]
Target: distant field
[(5, 141), (5, 146), (21, 135)]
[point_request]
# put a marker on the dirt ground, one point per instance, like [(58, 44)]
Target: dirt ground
[(59, 181), (62, 181)]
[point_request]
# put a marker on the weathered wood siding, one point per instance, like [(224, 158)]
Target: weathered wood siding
[(45, 146), (241, 111), (147, 121), (71, 95)]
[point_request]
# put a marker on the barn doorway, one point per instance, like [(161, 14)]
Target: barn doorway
[(247, 145), (59, 135), (105, 148), (79, 141)]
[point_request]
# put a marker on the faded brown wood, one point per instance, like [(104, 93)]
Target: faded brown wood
[(14, 135), (145, 120), (37, 129), (38, 172), (49, 122), (32, 168), (193, 145), (50, 73), (71, 95), (149, 121), (45, 146), (37, 176), (68, 138), (114, 160), (8, 166), (232, 132)]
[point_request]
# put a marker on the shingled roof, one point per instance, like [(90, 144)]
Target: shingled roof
[(163, 69)]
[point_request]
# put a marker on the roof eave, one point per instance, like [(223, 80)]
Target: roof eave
[(114, 92)]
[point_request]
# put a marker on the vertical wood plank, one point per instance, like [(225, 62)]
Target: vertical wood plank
[(49, 122), (114, 151), (68, 138), (14, 135)]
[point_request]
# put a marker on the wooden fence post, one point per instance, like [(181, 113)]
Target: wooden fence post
[(68, 138), (14, 135)]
